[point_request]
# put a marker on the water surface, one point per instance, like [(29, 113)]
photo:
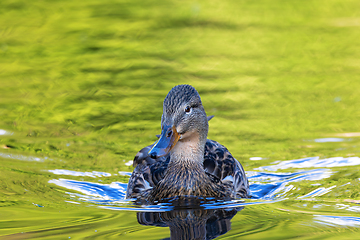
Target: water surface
[(277, 198), (81, 91)]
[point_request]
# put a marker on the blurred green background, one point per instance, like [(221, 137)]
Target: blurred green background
[(82, 82)]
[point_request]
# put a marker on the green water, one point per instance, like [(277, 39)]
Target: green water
[(82, 85)]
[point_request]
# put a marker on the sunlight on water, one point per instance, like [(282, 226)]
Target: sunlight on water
[(348, 207), (4, 132), (324, 140), (318, 192), (257, 158), (312, 162), (23, 157), (129, 163), (337, 220), (92, 174)]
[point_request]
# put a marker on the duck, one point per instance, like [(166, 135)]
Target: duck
[(183, 162)]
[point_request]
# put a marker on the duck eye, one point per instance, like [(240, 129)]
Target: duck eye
[(187, 109)]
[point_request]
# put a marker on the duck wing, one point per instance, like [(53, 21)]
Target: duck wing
[(147, 173), (219, 164), (222, 167)]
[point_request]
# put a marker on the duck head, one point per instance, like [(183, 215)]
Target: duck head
[(184, 124)]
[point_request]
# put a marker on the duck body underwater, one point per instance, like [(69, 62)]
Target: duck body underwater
[(183, 163)]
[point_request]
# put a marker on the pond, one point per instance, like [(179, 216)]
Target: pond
[(82, 86)]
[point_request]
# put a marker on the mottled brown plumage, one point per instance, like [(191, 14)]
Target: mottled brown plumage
[(184, 162)]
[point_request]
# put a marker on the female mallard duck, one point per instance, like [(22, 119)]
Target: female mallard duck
[(183, 162)]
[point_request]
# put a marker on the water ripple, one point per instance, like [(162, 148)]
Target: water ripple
[(113, 194), (23, 157), (4, 132), (335, 221), (274, 185), (324, 140), (265, 188), (318, 192), (92, 174), (348, 207), (312, 162), (94, 192)]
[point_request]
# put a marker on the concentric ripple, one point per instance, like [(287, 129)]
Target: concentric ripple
[(265, 187)]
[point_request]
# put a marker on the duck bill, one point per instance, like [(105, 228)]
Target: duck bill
[(168, 139)]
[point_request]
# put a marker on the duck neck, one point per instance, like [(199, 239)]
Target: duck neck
[(185, 174), (188, 152)]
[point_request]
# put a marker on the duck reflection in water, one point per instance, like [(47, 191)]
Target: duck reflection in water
[(186, 224)]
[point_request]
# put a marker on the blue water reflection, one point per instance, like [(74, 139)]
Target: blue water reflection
[(94, 192), (274, 185)]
